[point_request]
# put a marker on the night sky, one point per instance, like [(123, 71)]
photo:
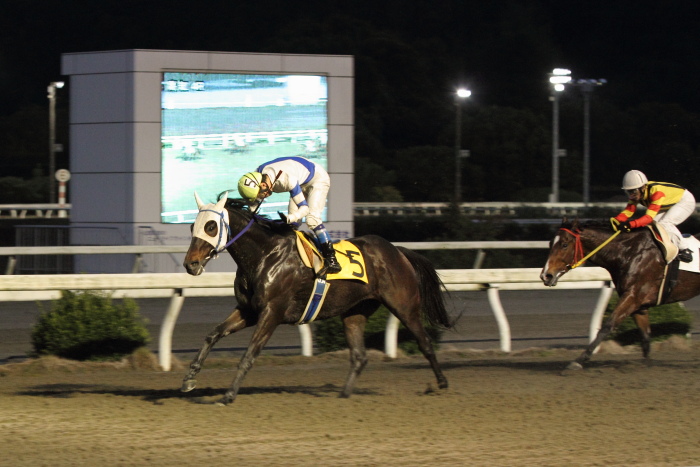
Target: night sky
[(648, 50), (410, 56)]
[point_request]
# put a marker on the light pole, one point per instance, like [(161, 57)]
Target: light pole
[(460, 95), (557, 78), (587, 86), (52, 137)]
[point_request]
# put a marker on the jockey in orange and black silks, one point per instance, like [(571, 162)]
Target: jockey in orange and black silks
[(667, 204)]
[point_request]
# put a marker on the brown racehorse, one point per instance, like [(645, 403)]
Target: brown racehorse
[(273, 286), (635, 264)]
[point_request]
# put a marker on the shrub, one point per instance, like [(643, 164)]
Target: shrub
[(329, 335), (665, 321), (89, 326)]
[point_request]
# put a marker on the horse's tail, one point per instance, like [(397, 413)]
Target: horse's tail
[(431, 286)]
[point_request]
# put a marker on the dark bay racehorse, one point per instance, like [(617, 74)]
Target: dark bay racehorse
[(635, 264), (273, 286)]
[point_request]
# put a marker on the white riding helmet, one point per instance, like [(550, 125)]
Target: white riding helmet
[(634, 179), (249, 185)]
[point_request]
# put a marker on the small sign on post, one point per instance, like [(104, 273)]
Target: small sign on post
[(62, 176)]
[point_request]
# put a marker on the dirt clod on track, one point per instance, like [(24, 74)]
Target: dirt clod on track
[(520, 409)]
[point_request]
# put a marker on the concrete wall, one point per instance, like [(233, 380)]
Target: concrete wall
[(115, 134)]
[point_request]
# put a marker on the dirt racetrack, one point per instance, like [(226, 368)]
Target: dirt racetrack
[(500, 410)]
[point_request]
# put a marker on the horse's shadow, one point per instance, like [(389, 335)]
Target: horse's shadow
[(197, 396), (529, 365), (557, 366)]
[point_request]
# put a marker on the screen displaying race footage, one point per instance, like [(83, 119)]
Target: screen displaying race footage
[(218, 126)]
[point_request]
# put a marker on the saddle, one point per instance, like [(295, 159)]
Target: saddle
[(670, 253), (350, 259), (668, 249), (348, 255)]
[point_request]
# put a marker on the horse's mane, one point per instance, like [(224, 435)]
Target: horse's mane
[(593, 224), (598, 224), (242, 207)]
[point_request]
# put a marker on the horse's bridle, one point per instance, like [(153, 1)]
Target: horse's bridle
[(578, 248), (579, 257), (222, 223)]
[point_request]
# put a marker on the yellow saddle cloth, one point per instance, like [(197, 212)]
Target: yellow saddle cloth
[(349, 256)]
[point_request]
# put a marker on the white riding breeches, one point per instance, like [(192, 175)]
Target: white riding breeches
[(675, 215), (315, 192)]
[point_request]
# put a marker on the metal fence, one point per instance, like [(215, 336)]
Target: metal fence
[(181, 285), (42, 235)]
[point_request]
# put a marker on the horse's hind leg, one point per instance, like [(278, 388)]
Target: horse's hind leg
[(413, 323), (641, 317), (354, 327), (235, 322)]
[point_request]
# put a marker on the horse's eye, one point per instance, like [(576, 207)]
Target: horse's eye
[(564, 245), (210, 228)]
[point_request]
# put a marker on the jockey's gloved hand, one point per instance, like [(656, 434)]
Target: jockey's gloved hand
[(615, 224), (286, 220), (298, 215), (625, 226)]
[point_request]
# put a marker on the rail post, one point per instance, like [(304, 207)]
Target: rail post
[(501, 319), (165, 342)]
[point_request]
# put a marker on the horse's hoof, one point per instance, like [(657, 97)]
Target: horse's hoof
[(223, 402), (443, 385), (188, 385), (574, 366)]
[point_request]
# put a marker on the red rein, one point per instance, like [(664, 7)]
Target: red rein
[(578, 247)]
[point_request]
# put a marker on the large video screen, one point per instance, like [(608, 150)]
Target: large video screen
[(218, 126)]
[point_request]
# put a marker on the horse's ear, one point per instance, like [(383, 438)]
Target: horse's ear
[(199, 201), (221, 204), (574, 223), (564, 220)]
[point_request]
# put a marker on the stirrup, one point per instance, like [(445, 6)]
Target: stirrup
[(685, 255), (331, 266), (321, 274), (327, 269)]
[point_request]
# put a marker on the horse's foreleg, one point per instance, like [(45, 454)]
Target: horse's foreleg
[(260, 337), (603, 332), (641, 317), (625, 307), (235, 322), (354, 327)]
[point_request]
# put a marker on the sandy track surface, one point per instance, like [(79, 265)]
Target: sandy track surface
[(500, 410)]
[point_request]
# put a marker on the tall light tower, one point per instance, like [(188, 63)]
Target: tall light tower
[(557, 79), (52, 137), (460, 95), (587, 86)]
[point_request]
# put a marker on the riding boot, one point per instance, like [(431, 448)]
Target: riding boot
[(330, 262)]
